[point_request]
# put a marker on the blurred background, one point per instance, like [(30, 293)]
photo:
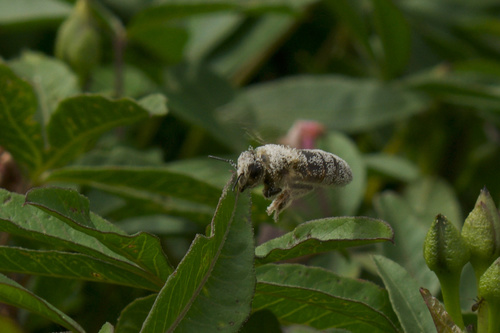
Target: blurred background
[(407, 92)]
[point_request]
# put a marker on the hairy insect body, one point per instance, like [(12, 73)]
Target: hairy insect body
[(289, 173)]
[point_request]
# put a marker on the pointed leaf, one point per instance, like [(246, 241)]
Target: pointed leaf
[(79, 120), (318, 279), (405, 296), (26, 221), (133, 315), (72, 208), (211, 289), (16, 295), (394, 33), (139, 182), (20, 134), (69, 265), (324, 235)]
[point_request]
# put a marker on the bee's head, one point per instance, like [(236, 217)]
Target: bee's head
[(250, 170)]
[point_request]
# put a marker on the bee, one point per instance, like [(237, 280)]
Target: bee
[(288, 173)]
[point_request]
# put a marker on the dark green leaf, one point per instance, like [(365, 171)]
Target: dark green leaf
[(324, 235), (30, 222), (132, 317), (16, 295), (81, 119), (20, 134), (139, 182), (405, 297), (394, 33), (341, 103), (70, 266), (211, 289), (318, 279), (68, 205), (195, 94), (320, 309)]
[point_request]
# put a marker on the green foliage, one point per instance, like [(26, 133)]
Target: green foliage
[(112, 218)]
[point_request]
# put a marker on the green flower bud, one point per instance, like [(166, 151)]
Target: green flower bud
[(446, 253), (444, 249), (78, 40), (489, 291), (481, 232)]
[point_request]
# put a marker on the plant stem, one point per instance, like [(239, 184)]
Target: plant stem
[(450, 284)]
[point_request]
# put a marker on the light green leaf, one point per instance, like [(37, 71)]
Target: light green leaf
[(107, 328), (392, 166), (324, 235), (20, 134), (133, 315), (16, 295), (211, 289), (394, 33), (51, 79), (20, 12), (72, 208), (405, 297), (156, 104), (139, 182), (81, 119), (70, 266), (338, 102)]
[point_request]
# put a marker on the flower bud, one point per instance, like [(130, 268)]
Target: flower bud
[(489, 291), (444, 248), (446, 253), (481, 232), (78, 40)]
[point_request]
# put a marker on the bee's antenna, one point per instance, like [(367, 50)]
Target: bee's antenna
[(224, 160)]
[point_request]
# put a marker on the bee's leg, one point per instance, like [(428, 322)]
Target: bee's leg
[(285, 198)]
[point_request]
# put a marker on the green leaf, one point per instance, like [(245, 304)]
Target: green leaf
[(443, 321), (20, 134), (394, 33), (321, 299), (21, 12), (16, 295), (30, 222), (211, 289), (81, 119), (324, 235), (339, 102), (133, 315), (156, 104), (411, 215), (405, 297), (72, 208), (391, 166), (195, 93), (51, 79), (319, 279), (107, 328), (139, 182), (70, 266)]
